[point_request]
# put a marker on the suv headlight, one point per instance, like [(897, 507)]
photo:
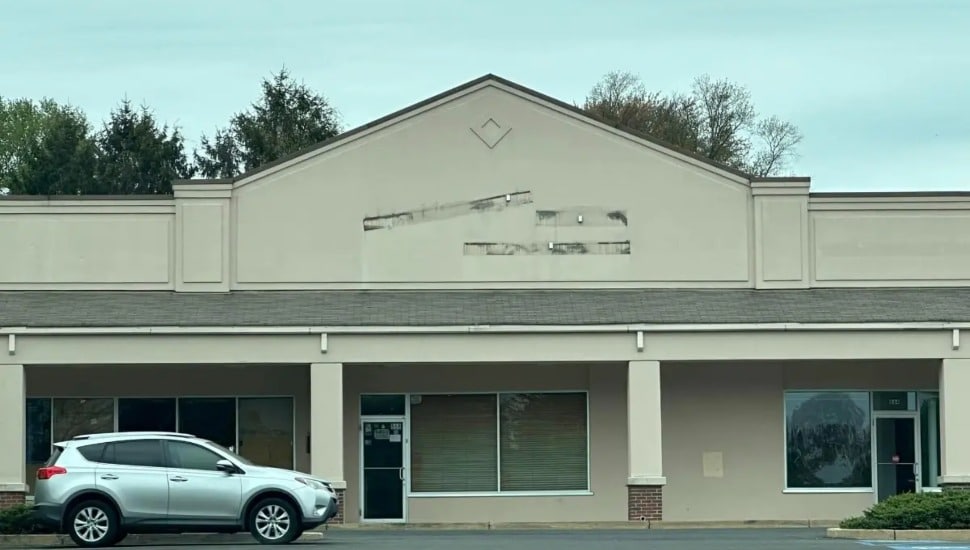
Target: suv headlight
[(310, 482)]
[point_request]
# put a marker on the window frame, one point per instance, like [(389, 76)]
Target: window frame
[(872, 412), (498, 435)]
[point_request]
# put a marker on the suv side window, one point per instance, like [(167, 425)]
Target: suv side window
[(136, 452), (92, 453), (190, 456)]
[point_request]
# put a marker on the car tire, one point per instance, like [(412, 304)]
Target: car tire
[(274, 521), (93, 524)]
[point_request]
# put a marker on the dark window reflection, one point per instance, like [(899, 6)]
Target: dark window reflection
[(146, 414), (213, 418)]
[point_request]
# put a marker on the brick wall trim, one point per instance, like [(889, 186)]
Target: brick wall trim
[(645, 502), (9, 499), (341, 502)]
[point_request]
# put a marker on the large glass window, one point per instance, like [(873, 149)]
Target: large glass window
[(213, 418), (828, 439), (38, 430), (511, 442), (543, 440), (266, 430), (929, 429), (72, 417), (454, 447), (146, 414)]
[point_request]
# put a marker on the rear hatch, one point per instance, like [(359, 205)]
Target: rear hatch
[(46, 472)]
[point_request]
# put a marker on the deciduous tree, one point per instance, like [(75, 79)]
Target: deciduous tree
[(45, 148), (716, 119)]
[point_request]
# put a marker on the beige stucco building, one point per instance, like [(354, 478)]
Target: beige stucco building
[(489, 307)]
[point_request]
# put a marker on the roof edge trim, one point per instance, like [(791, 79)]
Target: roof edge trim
[(472, 329)]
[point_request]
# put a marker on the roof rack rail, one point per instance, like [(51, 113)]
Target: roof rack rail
[(116, 434)]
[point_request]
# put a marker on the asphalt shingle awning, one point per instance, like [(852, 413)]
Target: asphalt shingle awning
[(479, 307)]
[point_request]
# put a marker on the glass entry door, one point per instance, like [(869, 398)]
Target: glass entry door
[(897, 467), (383, 471)]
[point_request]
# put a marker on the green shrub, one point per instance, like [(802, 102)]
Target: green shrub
[(17, 520), (945, 510)]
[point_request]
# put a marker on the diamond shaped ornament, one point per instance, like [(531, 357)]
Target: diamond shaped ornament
[(491, 132)]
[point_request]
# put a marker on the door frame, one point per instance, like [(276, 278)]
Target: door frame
[(405, 461), (874, 450)]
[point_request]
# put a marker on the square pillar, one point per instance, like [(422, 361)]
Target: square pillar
[(644, 440), (13, 487), (954, 410), (327, 427)]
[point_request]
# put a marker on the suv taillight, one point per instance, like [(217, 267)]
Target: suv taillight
[(48, 472)]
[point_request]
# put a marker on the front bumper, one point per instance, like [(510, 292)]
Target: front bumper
[(322, 513)]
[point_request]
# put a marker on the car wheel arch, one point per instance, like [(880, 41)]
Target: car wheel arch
[(90, 494), (264, 494)]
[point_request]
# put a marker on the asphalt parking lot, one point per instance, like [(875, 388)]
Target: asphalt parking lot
[(658, 539)]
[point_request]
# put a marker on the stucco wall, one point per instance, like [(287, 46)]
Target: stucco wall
[(87, 244), (738, 410)]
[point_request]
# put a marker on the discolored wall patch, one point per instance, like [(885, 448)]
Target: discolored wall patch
[(547, 248)]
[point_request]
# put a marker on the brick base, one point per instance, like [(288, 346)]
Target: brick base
[(645, 502), (955, 486), (10, 499), (341, 502)]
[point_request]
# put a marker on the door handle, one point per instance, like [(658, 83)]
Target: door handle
[(178, 479), (400, 473), (109, 476)]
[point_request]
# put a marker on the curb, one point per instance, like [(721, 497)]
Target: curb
[(594, 525), (946, 535), (33, 541)]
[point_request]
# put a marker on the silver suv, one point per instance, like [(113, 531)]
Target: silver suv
[(100, 487)]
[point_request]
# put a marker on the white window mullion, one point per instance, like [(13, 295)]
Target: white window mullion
[(498, 441)]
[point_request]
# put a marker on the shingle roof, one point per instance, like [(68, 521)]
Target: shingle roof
[(479, 307)]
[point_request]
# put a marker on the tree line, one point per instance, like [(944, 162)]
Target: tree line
[(49, 148)]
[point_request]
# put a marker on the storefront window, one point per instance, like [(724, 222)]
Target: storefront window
[(454, 447), (266, 430), (74, 417), (526, 442), (929, 419), (543, 438), (213, 418), (38, 431), (828, 439), (146, 414)]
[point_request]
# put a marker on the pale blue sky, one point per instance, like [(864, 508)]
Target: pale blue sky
[(880, 88)]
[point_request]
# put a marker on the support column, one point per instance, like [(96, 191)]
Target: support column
[(646, 480), (327, 428), (12, 426), (954, 410)]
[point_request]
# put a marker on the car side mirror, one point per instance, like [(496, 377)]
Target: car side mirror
[(226, 466)]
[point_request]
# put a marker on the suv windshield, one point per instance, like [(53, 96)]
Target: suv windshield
[(230, 453)]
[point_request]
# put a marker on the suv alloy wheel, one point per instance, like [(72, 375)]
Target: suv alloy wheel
[(274, 521), (92, 524)]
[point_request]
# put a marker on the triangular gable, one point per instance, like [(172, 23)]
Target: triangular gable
[(472, 86)]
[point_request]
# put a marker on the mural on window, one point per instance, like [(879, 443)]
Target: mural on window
[(828, 439)]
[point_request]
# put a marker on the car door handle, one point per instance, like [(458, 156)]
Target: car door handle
[(178, 479), (109, 476)]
